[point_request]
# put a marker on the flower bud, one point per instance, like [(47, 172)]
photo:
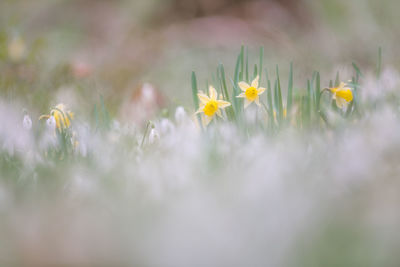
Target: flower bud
[(180, 115), (153, 136), (27, 122), (51, 123)]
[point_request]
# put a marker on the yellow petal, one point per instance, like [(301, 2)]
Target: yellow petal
[(243, 86), (58, 121), (44, 117), (254, 83), (213, 93), (223, 103), (333, 90)]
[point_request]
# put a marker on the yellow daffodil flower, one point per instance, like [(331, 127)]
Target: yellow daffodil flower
[(251, 93), (211, 105), (342, 94), (61, 115)]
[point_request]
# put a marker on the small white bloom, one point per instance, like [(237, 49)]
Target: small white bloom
[(115, 126), (166, 126), (51, 123), (180, 115), (27, 122), (153, 136)]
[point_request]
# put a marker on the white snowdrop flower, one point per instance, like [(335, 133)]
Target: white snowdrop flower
[(166, 126), (180, 115), (153, 136), (27, 122), (115, 126), (51, 123)]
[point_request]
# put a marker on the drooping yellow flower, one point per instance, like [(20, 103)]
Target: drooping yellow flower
[(61, 115), (251, 93), (342, 94), (211, 105)]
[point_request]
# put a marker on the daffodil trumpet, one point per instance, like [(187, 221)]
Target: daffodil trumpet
[(341, 94)]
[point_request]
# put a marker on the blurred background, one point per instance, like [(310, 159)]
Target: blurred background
[(239, 202), (114, 47)]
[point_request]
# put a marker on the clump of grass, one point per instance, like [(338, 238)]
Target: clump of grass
[(304, 108)]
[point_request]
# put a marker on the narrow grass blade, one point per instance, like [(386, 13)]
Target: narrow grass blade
[(337, 80), (279, 91), (236, 80), (260, 64), (317, 92), (310, 99), (357, 69), (255, 72), (221, 74), (269, 100), (241, 55), (106, 115), (247, 64), (290, 90), (195, 91), (195, 97)]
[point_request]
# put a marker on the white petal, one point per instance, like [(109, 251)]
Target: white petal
[(219, 113), (247, 102), (340, 102), (254, 83), (213, 93), (207, 119), (203, 98), (260, 90), (341, 85), (243, 86), (241, 95), (223, 103), (257, 100)]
